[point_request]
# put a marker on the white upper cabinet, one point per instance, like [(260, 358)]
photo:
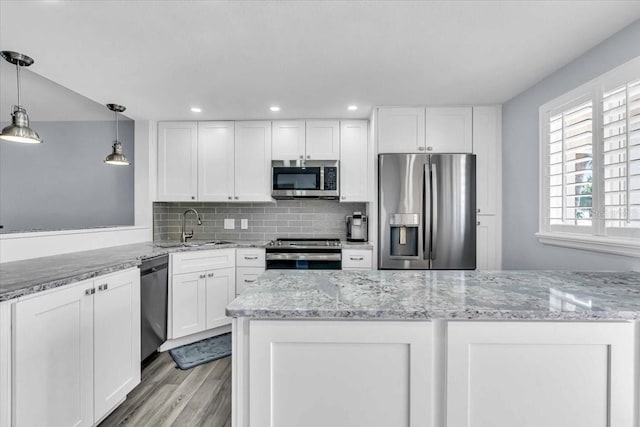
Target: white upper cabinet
[(448, 130), (177, 161), (401, 130), (487, 147), (310, 140), (354, 161), (425, 130), (253, 161), (288, 140), (216, 161), (323, 140)]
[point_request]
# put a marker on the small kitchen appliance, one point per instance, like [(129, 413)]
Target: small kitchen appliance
[(357, 227), (310, 179)]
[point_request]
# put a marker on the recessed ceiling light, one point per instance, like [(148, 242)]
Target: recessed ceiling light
[(274, 108), (196, 110), (352, 107)]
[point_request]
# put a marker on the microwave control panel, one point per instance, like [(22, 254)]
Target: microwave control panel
[(330, 178)]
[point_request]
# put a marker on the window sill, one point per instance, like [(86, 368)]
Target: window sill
[(608, 245)]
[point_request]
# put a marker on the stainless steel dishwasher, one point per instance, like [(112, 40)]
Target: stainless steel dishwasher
[(153, 304)]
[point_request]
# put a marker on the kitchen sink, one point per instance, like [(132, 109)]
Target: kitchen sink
[(193, 244)]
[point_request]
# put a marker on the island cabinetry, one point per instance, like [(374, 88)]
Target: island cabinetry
[(339, 373), (532, 374), (354, 161), (76, 351), (357, 259), (250, 263), (306, 140), (202, 284)]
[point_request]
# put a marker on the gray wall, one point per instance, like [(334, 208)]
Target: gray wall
[(267, 221), (521, 170), (63, 182)]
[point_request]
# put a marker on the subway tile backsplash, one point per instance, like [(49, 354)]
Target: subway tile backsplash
[(267, 221)]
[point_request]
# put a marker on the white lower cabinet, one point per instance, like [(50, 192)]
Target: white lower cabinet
[(532, 374), (488, 254), (202, 290), (339, 373), (76, 351), (357, 259)]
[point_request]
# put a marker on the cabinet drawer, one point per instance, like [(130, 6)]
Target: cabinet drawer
[(190, 262), (359, 259), (253, 257), (246, 276)]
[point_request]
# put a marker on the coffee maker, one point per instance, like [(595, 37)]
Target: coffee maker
[(357, 227)]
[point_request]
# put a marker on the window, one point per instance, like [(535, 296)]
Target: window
[(590, 154)]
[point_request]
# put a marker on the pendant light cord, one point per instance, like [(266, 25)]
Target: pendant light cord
[(18, 80), (117, 136)]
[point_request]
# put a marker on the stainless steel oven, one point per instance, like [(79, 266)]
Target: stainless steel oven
[(304, 254), (305, 179)]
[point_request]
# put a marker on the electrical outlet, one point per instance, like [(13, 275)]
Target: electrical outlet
[(229, 224), (244, 224)]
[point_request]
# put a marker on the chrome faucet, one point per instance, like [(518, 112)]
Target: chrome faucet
[(188, 235)]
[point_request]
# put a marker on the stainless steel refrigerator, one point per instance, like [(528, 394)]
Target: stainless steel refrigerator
[(427, 211)]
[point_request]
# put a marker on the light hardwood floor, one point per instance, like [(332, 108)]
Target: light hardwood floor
[(168, 396)]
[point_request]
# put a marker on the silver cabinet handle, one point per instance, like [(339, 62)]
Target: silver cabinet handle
[(478, 210), (89, 292), (429, 148), (308, 156), (249, 281), (420, 148), (229, 197), (193, 197), (202, 276), (211, 274), (301, 156), (250, 257), (353, 258), (236, 197), (103, 287), (478, 223)]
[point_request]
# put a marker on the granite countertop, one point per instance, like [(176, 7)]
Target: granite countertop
[(422, 295), (21, 278)]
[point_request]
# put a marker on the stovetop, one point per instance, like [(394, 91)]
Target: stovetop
[(294, 243)]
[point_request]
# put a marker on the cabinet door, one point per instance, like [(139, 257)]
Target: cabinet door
[(323, 140), (177, 161), (53, 359), (354, 161), (487, 147), (288, 140), (332, 373), (449, 129), (116, 314), (401, 130), (532, 374), (246, 276), (253, 162), (221, 290), (487, 243), (215, 161), (188, 304)]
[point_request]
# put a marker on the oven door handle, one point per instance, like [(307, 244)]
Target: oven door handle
[(303, 257)]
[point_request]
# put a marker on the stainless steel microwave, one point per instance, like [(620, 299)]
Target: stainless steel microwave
[(305, 179)]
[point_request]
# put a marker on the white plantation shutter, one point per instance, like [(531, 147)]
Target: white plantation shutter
[(570, 155), (621, 158)]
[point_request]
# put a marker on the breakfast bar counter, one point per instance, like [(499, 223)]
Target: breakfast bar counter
[(437, 349)]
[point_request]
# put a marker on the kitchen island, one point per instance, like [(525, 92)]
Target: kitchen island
[(437, 348)]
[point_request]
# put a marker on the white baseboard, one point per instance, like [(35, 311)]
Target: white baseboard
[(169, 344), (21, 246)]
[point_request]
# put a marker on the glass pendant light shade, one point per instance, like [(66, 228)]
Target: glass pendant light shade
[(19, 130), (117, 157)]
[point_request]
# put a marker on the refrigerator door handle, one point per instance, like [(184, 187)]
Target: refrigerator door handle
[(426, 213), (434, 209)]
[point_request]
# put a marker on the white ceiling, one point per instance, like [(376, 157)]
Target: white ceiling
[(313, 58)]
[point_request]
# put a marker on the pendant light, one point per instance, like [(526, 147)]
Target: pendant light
[(117, 157), (19, 130)]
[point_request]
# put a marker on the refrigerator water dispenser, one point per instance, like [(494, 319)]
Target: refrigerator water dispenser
[(404, 237)]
